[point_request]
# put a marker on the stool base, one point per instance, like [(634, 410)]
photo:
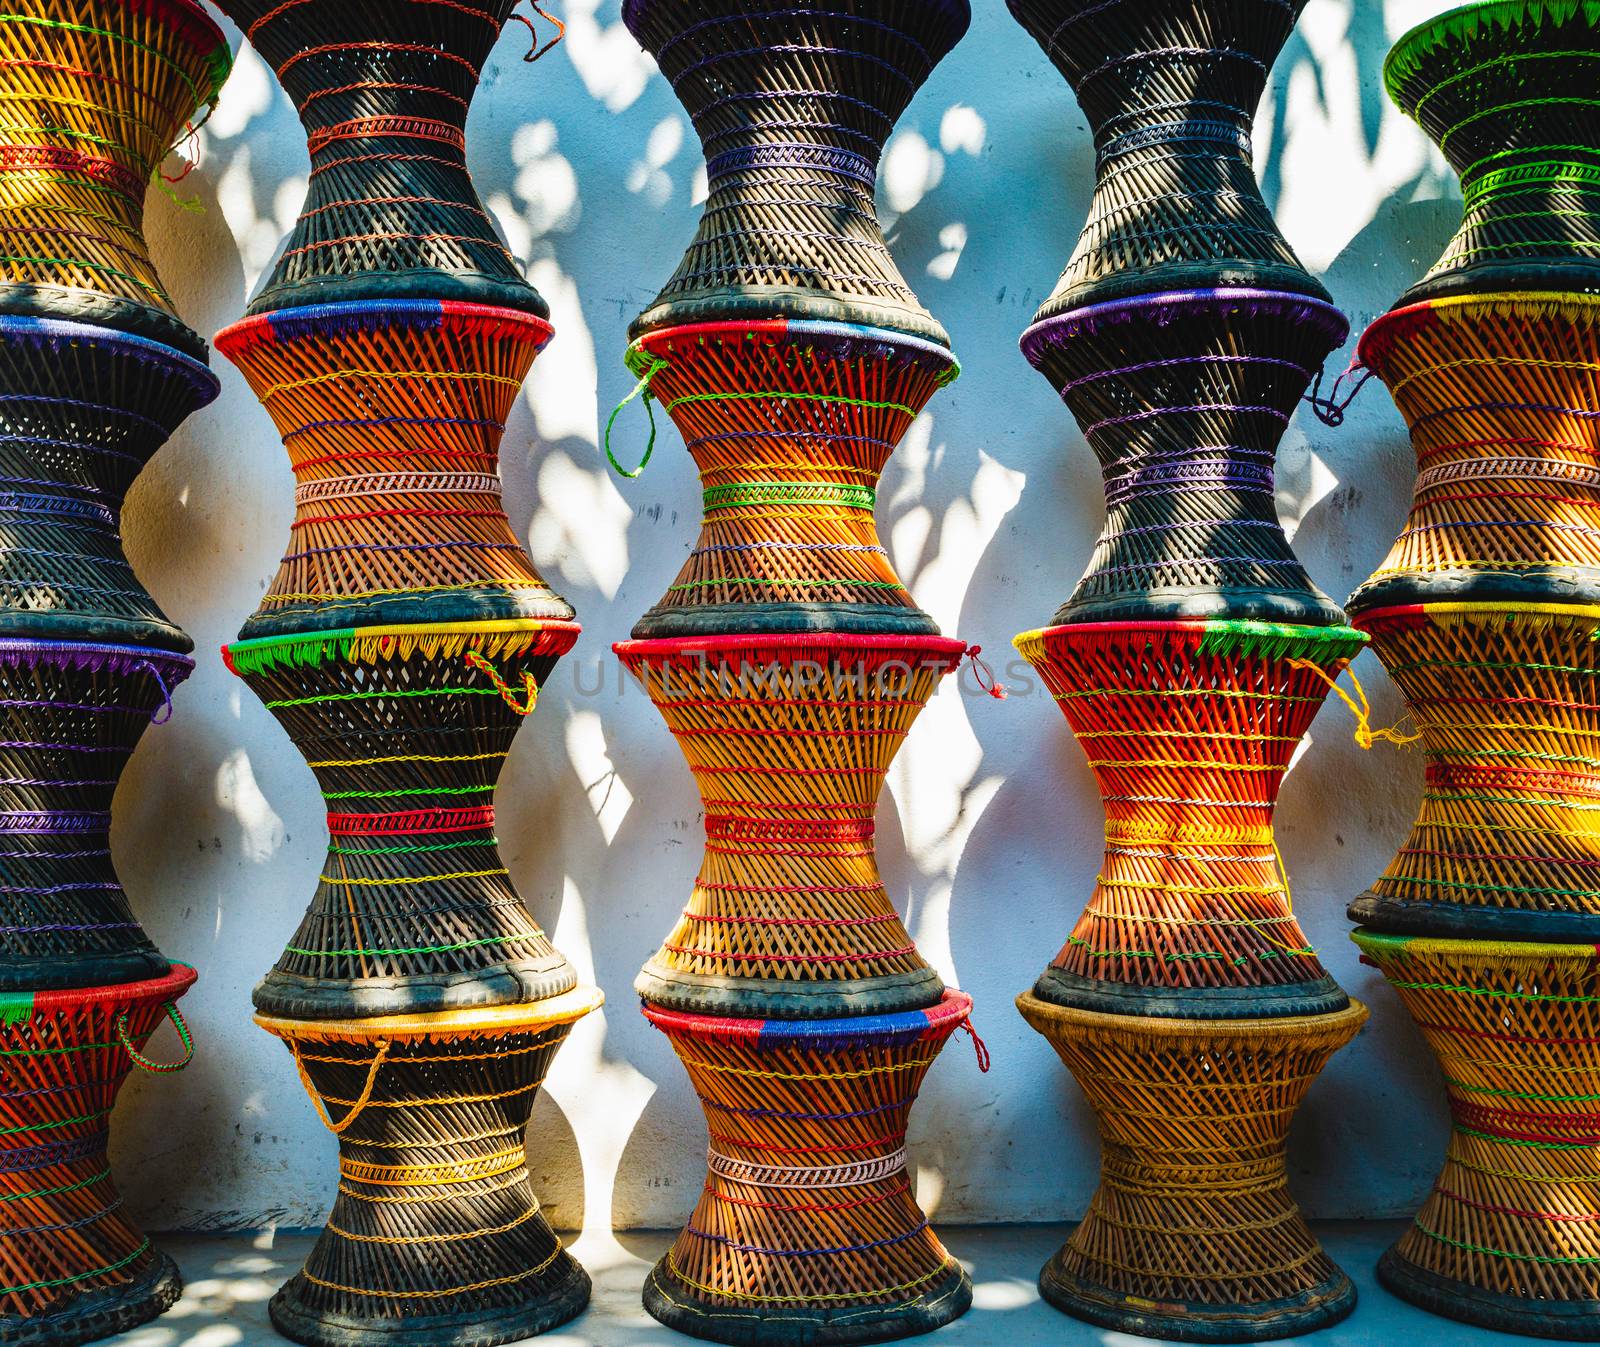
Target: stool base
[(99, 1314), (1566, 1320)]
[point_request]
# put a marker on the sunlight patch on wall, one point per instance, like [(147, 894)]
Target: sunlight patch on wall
[(608, 60), (648, 177), (590, 757), (261, 831), (911, 169), (962, 128)]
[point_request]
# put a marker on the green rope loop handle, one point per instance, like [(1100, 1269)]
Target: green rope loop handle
[(339, 1129), (508, 694), (655, 364), (144, 1063)]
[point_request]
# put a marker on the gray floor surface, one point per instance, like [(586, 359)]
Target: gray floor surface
[(231, 1279)]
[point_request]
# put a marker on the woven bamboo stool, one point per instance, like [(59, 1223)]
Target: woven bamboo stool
[(436, 1235), (1170, 88), (96, 92), (71, 714), (392, 415), (790, 424), (1502, 394), (1189, 728), (82, 410), (407, 729), (1193, 1233), (73, 1267), (793, 103), (789, 739), (807, 1231), (1183, 397), (383, 91), (1506, 90), (1510, 1236)]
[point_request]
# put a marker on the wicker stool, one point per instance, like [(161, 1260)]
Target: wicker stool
[(1170, 89), (789, 739), (436, 1236), (1189, 728), (83, 410), (1183, 398), (97, 93), (1193, 1233), (70, 717), (790, 425), (383, 90), (1506, 89), (76, 1269), (793, 103), (392, 415), (807, 1231), (407, 729), (1509, 1237)]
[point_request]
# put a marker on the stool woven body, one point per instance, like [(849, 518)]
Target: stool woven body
[(1170, 89), (793, 103), (807, 1231), (71, 714), (1193, 1233), (1183, 397), (1506, 90), (790, 425), (436, 1235), (789, 739), (1508, 1237), (383, 91), (75, 1267), (97, 92)]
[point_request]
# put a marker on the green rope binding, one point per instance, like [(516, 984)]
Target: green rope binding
[(1468, 22), (651, 366), (1275, 640), (144, 1063), (15, 1007)]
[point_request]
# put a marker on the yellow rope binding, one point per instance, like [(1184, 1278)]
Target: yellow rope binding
[(356, 1108), (1365, 735)]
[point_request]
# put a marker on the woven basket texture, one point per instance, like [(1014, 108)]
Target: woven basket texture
[(383, 90), (790, 426), (76, 1267), (1506, 90), (1184, 398), (84, 409), (807, 1230), (407, 730), (1502, 394), (789, 740), (1193, 1233), (1510, 1235), (793, 101), (1170, 89), (70, 718), (96, 93), (1189, 729), (392, 415)]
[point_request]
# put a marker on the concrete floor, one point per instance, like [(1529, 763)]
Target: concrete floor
[(230, 1280)]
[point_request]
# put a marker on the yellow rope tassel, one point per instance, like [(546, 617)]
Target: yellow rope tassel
[(1365, 735)]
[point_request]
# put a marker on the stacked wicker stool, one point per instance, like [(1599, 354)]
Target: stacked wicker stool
[(96, 372), (401, 645), (1189, 663), (1486, 614), (790, 662)]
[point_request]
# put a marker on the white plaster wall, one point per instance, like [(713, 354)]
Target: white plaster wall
[(991, 828)]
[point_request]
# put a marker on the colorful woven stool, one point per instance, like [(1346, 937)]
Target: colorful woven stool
[(1193, 1233), (1189, 728), (1507, 701), (1183, 397), (407, 729), (807, 1231), (789, 739), (82, 410), (1509, 1237), (383, 91), (73, 1267), (1170, 88), (1502, 394), (436, 1235), (392, 415), (97, 92), (1506, 89), (790, 424), (71, 714), (793, 103)]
